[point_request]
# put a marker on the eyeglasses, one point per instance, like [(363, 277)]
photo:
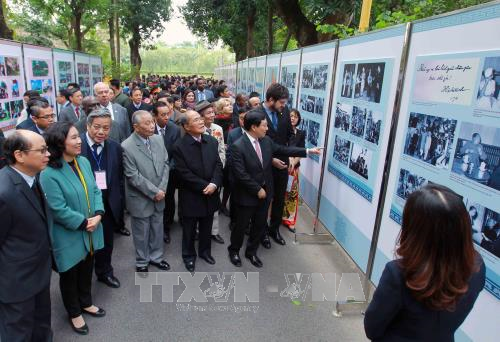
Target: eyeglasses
[(42, 150), (46, 117)]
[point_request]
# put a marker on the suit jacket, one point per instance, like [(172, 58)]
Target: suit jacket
[(232, 137), (298, 140), (68, 114), (208, 95), (283, 133), (145, 174), (249, 174), (122, 99), (198, 164), (115, 180), (131, 109), (29, 125), (172, 134), (394, 315), (25, 259), (3, 161), (236, 116), (68, 204), (120, 128)]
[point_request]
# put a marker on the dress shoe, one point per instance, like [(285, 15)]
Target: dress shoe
[(266, 242), (224, 211), (141, 269), (292, 230), (235, 259), (217, 238), (83, 330), (99, 313), (123, 231), (189, 266), (166, 238), (254, 260), (278, 238), (110, 280), (162, 265), (208, 258)]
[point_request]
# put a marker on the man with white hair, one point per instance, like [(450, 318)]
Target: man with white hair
[(120, 128)]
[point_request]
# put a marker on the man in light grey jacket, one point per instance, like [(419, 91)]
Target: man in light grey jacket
[(120, 129), (145, 164)]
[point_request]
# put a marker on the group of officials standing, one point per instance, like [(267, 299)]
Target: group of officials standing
[(63, 195)]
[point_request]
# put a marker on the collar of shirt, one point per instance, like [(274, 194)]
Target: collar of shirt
[(74, 107), (41, 131), (92, 142), (137, 106), (158, 128), (197, 139), (29, 179), (144, 141), (109, 107), (252, 139)]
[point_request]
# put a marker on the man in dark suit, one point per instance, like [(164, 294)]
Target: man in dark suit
[(3, 161), (74, 111), (41, 116), (105, 158), (201, 93), (170, 133), (251, 168), (280, 131), (199, 168), (239, 103), (25, 256), (136, 103)]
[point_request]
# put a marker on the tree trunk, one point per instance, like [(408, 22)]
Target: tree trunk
[(78, 31), (270, 33), (287, 40), (302, 29), (135, 57), (112, 47), (250, 29), (5, 31)]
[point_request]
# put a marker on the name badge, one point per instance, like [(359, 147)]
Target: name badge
[(100, 179)]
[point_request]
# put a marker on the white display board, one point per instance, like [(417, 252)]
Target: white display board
[(231, 81), (96, 69), (289, 74), (272, 70), (260, 75), (83, 73), (313, 99), (64, 69), (12, 86), (38, 65), (365, 88), (252, 64), (449, 133)]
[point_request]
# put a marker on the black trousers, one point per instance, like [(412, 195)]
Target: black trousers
[(189, 225), (169, 212), (103, 266), (280, 178), (76, 286), (243, 215), (28, 320)]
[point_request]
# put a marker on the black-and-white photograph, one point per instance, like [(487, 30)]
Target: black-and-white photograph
[(491, 232), (307, 103), (307, 76), (430, 139), (289, 77), (369, 79), (409, 182), (313, 133), (304, 125), (348, 80), (343, 116), (488, 93), (341, 150), (477, 154), (373, 126), (476, 213), (358, 121), (360, 161), (320, 77), (319, 105), (291, 100)]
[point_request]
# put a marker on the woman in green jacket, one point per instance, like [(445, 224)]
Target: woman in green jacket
[(76, 205)]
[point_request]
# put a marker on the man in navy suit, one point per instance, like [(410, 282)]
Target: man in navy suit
[(41, 116), (239, 103), (201, 93), (136, 103), (105, 156)]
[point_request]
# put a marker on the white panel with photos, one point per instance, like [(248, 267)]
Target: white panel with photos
[(83, 73), (39, 71), (96, 69), (289, 74), (64, 69)]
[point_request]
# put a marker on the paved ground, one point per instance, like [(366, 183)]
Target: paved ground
[(276, 318)]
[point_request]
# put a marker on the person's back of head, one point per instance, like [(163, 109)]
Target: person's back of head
[(115, 84), (435, 247)]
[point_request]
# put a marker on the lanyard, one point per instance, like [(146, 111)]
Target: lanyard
[(98, 162), (82, 179)]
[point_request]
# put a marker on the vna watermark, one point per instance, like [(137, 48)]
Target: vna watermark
[(201, 286)]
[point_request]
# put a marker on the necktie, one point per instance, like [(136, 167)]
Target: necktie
[(148, 145), (274, 119), (95, 148), (257, 149), (209, 131), (77, 112), (37, 192), (162, 132)]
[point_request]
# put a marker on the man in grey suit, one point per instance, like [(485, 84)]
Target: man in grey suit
[(145, 164), (120, 128), (73, 111)]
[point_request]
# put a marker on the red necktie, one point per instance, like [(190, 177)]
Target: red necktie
[(77, 112)]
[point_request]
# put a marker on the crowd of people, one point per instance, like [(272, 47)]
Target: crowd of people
[(69, 181), (125, 151)]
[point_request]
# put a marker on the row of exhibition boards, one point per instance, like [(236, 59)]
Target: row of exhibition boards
[(28, 67), (397, 109)]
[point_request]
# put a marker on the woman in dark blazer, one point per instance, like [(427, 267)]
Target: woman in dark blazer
[(76, 205), (428, 291), (298, 139)]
